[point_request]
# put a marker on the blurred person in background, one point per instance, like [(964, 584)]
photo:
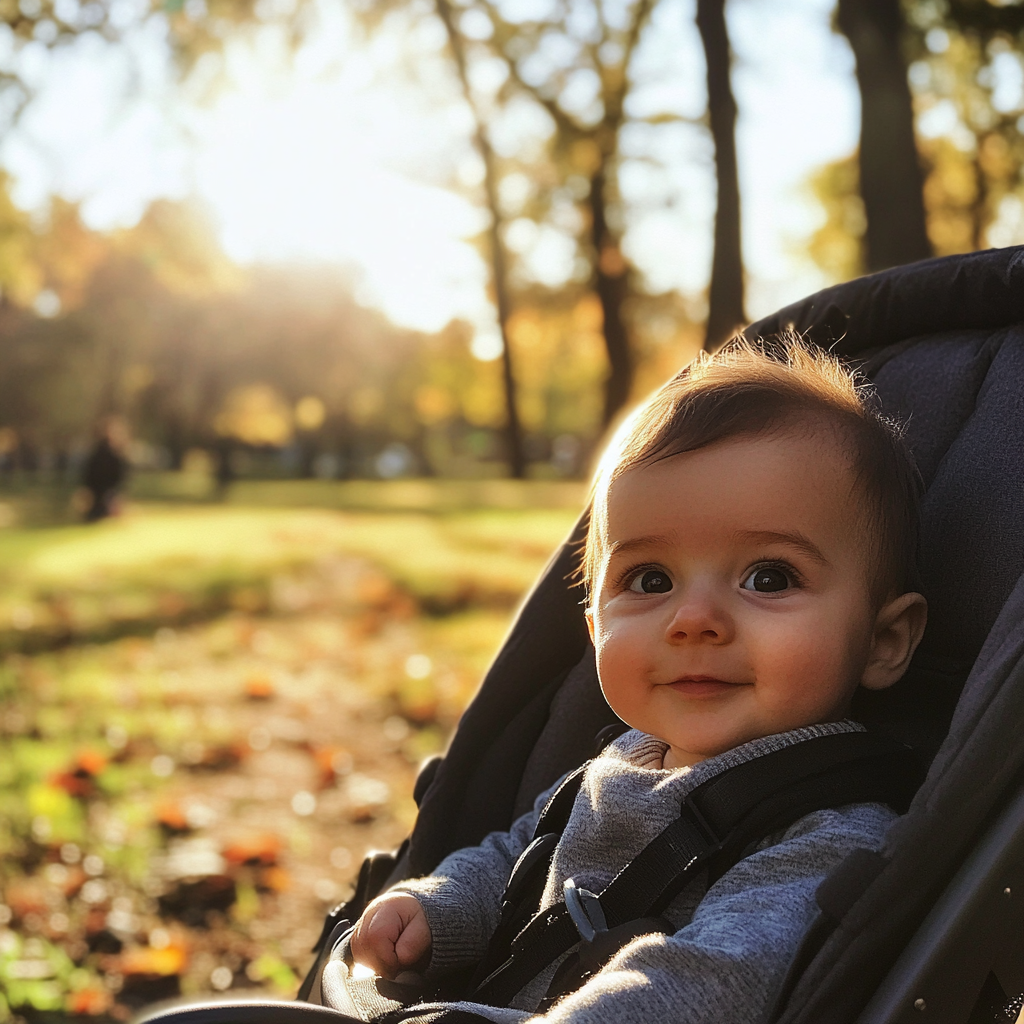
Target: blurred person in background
[(106, 469), (224, 468)]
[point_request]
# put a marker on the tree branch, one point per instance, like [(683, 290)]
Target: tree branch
[(564, 122)]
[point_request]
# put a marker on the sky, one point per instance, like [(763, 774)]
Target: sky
[(350, 153)]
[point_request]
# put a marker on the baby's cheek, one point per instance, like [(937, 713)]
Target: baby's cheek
[(617, 648), (619, 675), (807, 677)]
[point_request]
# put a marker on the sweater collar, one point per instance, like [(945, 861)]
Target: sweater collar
[(645, 751)]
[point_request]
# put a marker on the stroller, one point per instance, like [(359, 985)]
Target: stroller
[(931, 931)]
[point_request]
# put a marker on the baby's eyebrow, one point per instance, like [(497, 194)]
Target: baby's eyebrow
[(796, 540), (620, 546)]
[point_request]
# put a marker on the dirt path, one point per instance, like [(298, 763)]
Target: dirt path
[(226, 781)]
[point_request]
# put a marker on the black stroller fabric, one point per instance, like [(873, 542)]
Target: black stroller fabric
[(943, 341)]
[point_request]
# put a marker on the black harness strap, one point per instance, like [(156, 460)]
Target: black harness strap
[(526, 883), (719, 822), (556, 811)]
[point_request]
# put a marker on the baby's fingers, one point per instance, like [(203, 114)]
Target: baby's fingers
[(392, 934), (377, 950), (414, 942)]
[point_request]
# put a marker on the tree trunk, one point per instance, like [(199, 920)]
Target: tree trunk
[(891, 181), (514, 450), (725, 293), (979, 208), (612, 286), (513, 429)]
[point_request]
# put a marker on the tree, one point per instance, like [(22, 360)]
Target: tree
[(891, 179), (985, 17), (584, 93), (573, 61), (837, 247), (725, 292), (969, 47), (496, 246)]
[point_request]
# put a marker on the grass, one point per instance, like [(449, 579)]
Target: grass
[(451, 545), (210, 711), (431, 496)]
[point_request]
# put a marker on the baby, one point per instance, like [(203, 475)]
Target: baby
[(749, 565)]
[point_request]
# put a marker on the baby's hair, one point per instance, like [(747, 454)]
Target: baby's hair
[(754, 389)]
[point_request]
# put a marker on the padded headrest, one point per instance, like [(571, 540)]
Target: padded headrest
[(962, 398)]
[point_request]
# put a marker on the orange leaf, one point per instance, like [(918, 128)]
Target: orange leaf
[(275, 879), (92, 762), (74, 784), (259, 687), (73, 881), (329, 760), (146, 960), (170, 815), (88, 1002), (26, 896), (257, 848)]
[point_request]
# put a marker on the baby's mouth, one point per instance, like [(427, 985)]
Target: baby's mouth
[(701, 686)]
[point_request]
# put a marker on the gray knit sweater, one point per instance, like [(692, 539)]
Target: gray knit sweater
[(734, 941)]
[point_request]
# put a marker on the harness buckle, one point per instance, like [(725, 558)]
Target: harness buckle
[(585, 910)]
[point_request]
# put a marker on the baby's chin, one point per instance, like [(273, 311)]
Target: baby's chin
[(703, 748), (676, 758)]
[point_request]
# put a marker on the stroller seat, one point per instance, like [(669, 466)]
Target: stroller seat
[(934, 932)]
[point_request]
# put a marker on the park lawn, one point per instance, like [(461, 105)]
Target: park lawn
[(210, 712), (450, 545)]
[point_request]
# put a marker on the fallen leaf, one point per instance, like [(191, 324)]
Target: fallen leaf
[(219, 757), (256, 848), (259, 687), (191, 901), (88, 1002), (275, 879), (171, 959), (329, 760), (92, 762), (27, 896), (170, 815)]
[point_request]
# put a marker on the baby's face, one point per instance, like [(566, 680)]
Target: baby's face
[(734, 598)]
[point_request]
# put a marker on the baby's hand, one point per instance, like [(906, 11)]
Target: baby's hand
[(392, 935)]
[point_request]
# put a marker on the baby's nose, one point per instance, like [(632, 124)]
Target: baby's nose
[(700, 620)]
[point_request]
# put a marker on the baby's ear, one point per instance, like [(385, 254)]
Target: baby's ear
[(899, 627), (589, 616)]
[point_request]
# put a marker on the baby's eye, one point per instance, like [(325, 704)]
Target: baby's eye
[(651, 581), (767, 579)]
